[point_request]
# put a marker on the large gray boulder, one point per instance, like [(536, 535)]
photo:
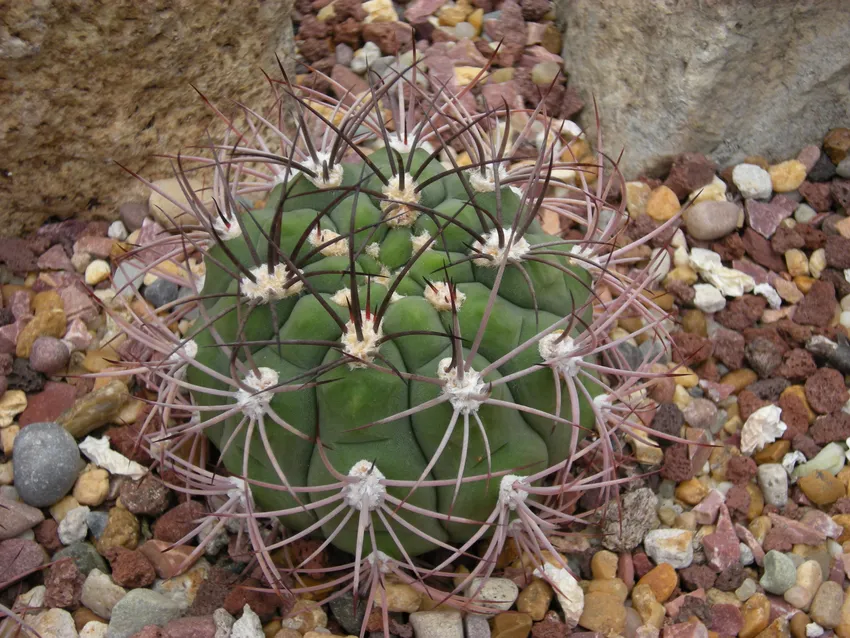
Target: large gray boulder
[(721, 77), (85, 83)]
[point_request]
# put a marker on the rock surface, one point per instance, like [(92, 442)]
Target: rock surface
[(120, 92), (625, 54)]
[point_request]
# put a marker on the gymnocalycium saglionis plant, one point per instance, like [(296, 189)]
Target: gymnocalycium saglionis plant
[(400, 371)]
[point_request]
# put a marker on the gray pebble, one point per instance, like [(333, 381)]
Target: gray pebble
[(476, 626), (133, 214), (344, 54), (96, 522), (711, 220), (773, 481), (161, 292), (49, 355), (85, 557), (437, 624), (47, 463), (138, 608), (779, 573), (843, 168), (346, 615), (700, 413)]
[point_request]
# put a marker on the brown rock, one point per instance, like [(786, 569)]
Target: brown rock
[(690, 348), (797, 366), (48, 404), (64, 585), (831, 427), (192, 627), (147, 496), (836, 144), (130, 568), (264, 604), (825, 391), (18, 556), (167, 560), (690, 171), (838, 251), (111, 109), (662, 579), (179, 521), (816, 195), (511, 624), (822, 488), (122, 530), (761, 252), (742, 312), (818, 306)]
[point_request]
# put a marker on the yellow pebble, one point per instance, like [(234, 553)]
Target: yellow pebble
[(97, 271), (787, 176), (662, 204)]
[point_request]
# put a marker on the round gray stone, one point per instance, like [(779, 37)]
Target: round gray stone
[(711, 220), (779, 573), (161, 292), (47, 462), (85, 557)]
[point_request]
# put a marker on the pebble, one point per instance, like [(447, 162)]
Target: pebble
[(46, 463), (85, 557), (161, 292), (604, 613), (495, 593), (19, 556), (364, 57), (787, 176), (95, 409), (248, 625), (437, 624), (55, 623), (101, 594), (752, 181), (49, 355), (708, 298), (74, 527), (91, 487), (662, 204), (141, 607), (709, 220), (544, 73), (773, 481), (535, 598), (17, 518), (826, 605), (780, 573), (662, 580), (809, 579), (673, 546), (133, 214), (97, 271), (822, 488), (756, 616), (511, 624), (117, 230)]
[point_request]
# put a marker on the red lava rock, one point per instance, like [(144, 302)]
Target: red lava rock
[(47, 535), (383, 34), (677, 464), (64, 585), (825, 391), (690, 171), (348, 32), (817, 196), (768, 389), (48, 404), (721, 548), (741, 313), (512, 32), (147, 496), (840, 190), (838, 252), (18, 556), (420, 9), (793, 333), (730, 579), (668, 420), (748, 403), (18, 255), (818, 306), (682, 292), (690, 348), (805, 445), (192, 627), (794, 415), (785, 533), (726, 620), (130, 568), (730, 247), (126, 440), (814, 238), (759, 249), (740, 469), (728, 348), (311, 27), (550, 627), (798, 365), (698, 577), (831, 427), (264, 604), (738, 499), (179, 521), (785, 239)]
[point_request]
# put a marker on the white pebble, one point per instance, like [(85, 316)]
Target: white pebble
[(773, 481), (97, 271), (117, 230), (99, 453), (813, 630), (672, 546), (248, 626), (708, 298), (73, 527), (763, 426), (747, 557), (753, 181), (769, 292), (364, 57), (804, 213)]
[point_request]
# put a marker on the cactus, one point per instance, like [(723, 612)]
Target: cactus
[(388, 353)]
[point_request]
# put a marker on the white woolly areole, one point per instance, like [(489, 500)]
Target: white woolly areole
[(584, 257), (398, 144), (255, 402), (518, 249), (465, 395), (187, 350), (569, 592), (374, 250), (365, 349), (440, 298), (336, 249), (227, 229), (486, 182), (510, 495), (270, 287), (367, 491), (380, 559), (240, 491), (417, 241), (559, 354), (401, 214), (334, 172)]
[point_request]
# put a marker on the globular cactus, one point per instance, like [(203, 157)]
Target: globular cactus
[(390, 355)]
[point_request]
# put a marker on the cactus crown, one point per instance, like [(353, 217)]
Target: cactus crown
[(389, 353)]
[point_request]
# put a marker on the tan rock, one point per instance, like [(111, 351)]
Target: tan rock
[(637, 195), (613, 586), (662, 204), (402, 597), (651, 611), (787, 176), (121, 91), (122, 530), (822, 488), (662, 580), (603, 613), (535, 599), (836, 144), (12, 403), (91, 487), (604, 564), (691, 491), (756, 613), (50, 323), (511, 624)]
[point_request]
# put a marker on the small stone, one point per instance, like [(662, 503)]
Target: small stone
[(18, 556), (809, 579), (709, 220), (95, 409), (752, 181), (511, 624), (637, 195), (773, 481), (826, 605), (545, 73), (142, 607), (49, 323), (101, 594), (825, 391), (179, 521), (161, 292), (496, 593), (55, 623), (662, 204), (73, 527), (756, 613), (122, 530), (97, 271), (535, 598), (603, 565), (673, 546), (47, 463), (17, 518), (708, 298), (780, 573), (822, 488), (437, 624), (836, 144), (85, 557), (722, 549), (49, 355), (130, 568), (147, 496), (662, 580), (624, 533), (133, 214), (91, 487), (604, 613), (787, 176)]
